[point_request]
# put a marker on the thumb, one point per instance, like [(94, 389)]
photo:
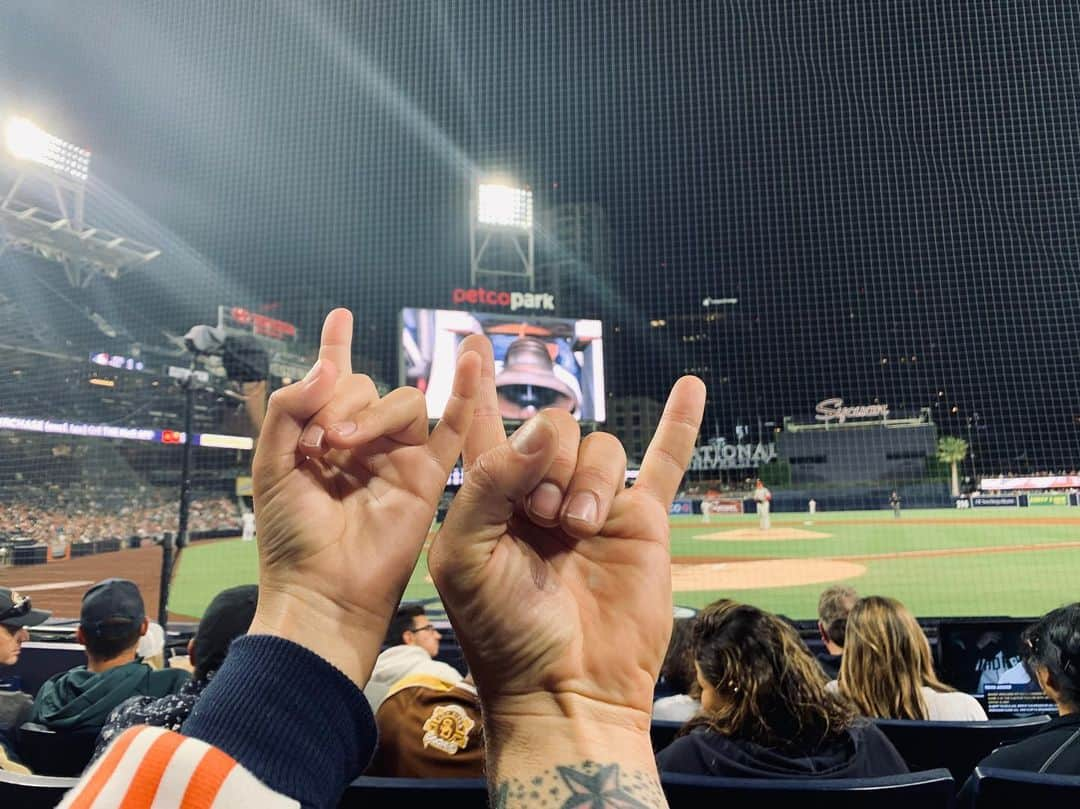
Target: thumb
[(499, 479)]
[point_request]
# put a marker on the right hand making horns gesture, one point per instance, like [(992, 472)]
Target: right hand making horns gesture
[(557, 578)]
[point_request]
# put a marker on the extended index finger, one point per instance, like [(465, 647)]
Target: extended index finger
[(487, 429), (673, 442), (336, 342)]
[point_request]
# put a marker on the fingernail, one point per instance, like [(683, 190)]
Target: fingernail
[(313, 374), (583, 507), (344, 427), (545, 501), (528, 438), (312, 436)]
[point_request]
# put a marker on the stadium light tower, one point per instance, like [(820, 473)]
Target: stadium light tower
[(501, 232), (42, 211)]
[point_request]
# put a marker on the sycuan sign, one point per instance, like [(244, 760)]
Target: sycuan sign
[(834, 410)]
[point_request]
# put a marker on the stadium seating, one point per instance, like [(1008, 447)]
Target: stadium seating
[(395, 793), (41, 660), (663, 734), (933, 789), (32, 791), (48, 752), (994, 788), (957, 746), (927, 790)]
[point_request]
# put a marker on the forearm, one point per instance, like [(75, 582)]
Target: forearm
[(289, 717), (570, 755)]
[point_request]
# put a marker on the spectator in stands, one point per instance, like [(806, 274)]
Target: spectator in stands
[(1051, 650), (226, 618), (677, 676), (429, 728), (412, 643), (16, 614), (111, 621), (887, 670), (766, 711), (833, 608)]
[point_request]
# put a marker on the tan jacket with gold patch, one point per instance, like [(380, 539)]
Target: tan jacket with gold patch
[(429, 728)]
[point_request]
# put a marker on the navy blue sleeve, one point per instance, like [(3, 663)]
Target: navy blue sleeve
[(294, 721)]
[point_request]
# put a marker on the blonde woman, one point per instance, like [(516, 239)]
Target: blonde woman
[(766, 712), (887, 671)]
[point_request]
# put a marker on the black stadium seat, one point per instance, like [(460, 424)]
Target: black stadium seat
[(925, 790), (48, 752), (32, 791), (397, 793), (39, 661), (663, 733), (934, 789), (957, 746), (1009, 789)]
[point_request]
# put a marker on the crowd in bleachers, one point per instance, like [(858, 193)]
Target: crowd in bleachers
[(556, 580), (45, 513)]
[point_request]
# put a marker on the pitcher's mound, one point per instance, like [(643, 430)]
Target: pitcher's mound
[(762, 573), (757, 535)]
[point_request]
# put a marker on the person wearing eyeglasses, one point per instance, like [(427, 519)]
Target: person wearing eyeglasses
[(16, 615), (1050, 650), (412, 643)]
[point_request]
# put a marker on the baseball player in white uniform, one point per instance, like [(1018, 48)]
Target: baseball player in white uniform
[(763, 498)]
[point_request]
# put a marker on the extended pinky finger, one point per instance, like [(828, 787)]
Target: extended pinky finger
[(672, 444)]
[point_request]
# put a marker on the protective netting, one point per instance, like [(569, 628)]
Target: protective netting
[(875, 203)]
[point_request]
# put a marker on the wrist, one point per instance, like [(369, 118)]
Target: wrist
[(571, 750), (524, 732), (347, 639)]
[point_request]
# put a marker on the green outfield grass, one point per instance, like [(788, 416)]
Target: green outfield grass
[(929, 559)]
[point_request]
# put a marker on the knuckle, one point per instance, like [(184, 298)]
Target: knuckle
[(604, 446), (665, 457), (279, 399), (484, 471)]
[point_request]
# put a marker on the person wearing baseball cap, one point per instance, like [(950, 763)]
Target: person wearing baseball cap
[(16, 616), (227, 617), (111, 622)]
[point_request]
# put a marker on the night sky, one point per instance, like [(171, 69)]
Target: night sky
[(889, 189)]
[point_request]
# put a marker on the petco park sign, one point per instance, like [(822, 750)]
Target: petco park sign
[(507, 300), (834, 410)]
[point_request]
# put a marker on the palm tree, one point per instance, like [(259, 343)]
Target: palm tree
[(952, 450)]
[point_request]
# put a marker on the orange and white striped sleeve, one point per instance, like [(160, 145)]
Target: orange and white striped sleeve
[(154, 768)]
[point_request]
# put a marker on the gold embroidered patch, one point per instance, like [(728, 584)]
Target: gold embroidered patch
[(448, 728)]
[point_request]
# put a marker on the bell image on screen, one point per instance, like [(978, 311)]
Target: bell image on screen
[(540, 362)]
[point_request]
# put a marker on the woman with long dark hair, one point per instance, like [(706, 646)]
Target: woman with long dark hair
[(765, 710)]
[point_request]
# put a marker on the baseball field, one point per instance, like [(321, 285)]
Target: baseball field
[(1018, 562)]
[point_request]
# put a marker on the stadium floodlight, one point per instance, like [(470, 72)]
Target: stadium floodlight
[(42, 210), (27, 141), (504, 206)]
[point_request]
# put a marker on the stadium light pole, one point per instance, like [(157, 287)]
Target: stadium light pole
[(42, 211), (501, 212)]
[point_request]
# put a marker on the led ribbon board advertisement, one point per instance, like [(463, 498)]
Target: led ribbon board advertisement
[(539, 361)]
